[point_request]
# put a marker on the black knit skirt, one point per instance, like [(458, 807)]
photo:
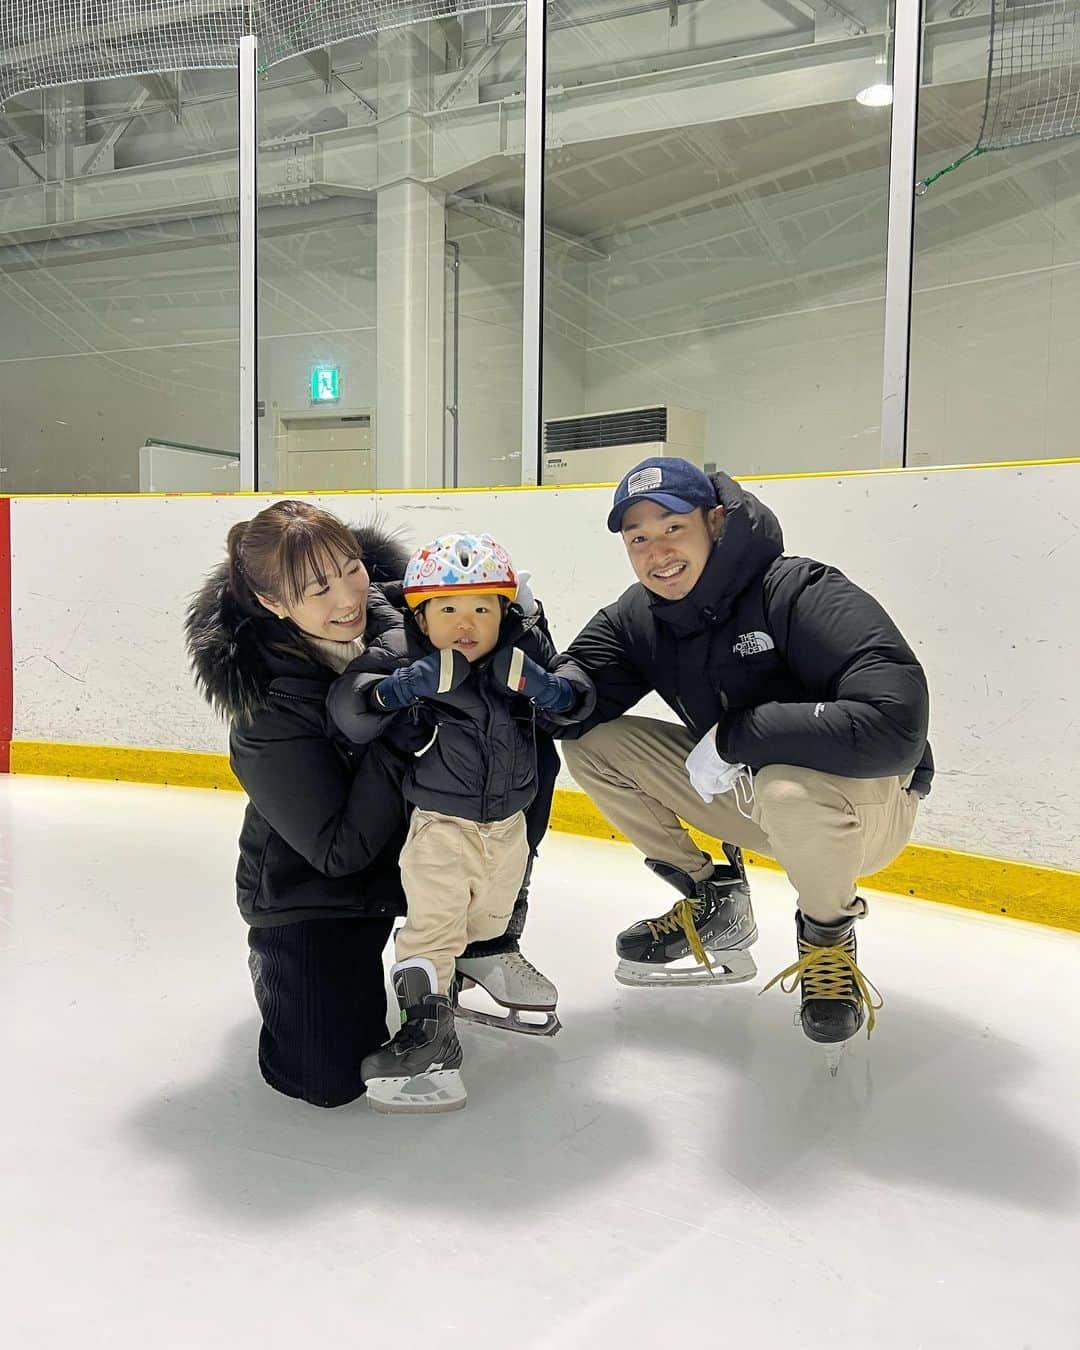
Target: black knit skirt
[(320, 989)]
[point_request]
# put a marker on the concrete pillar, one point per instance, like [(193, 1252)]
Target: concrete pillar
[(411, 274)]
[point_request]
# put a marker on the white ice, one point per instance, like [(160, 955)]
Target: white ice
[(676, 1168)]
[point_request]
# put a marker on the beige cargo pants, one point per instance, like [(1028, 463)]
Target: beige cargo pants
[(461, 880), (824, 830)]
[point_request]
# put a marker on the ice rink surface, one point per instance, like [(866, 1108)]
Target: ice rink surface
[(675, 1169)]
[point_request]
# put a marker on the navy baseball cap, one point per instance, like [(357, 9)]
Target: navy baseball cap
[(675, 484)]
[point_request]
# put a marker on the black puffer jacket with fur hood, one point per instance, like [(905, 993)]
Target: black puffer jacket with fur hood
[(325, 819)]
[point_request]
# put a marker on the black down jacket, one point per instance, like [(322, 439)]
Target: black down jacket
[(473, 751), (325, 821), (787, 658)]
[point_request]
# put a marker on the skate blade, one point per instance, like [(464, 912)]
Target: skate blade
[(441, 1090), (834, 1051), (547, 1025), (734, 967), (546, 1021)]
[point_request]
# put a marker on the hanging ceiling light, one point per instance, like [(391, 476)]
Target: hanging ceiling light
[(875, 96)]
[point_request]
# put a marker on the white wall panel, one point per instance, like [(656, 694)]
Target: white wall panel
[(980, 569)]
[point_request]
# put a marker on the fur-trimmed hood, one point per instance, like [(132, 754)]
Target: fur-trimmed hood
[(237, 651)]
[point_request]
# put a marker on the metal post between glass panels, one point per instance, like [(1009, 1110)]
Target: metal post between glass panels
[(907, 67), (249, 452), (532, 344)]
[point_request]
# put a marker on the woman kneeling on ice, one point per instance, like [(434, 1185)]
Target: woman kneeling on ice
[(318, 880)]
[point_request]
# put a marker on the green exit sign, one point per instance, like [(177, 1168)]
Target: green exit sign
[(325, 384)]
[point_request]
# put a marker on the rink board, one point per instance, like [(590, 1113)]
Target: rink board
[(980, 568), (991, 885)]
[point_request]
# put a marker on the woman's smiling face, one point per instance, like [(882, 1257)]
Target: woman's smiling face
[(333, 603)]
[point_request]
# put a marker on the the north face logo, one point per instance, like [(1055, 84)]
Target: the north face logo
[(751, 644)]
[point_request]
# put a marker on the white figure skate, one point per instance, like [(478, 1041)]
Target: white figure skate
[(516, 985)]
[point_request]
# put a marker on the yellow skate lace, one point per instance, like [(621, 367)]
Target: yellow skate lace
[(682, 915), (829, 972)]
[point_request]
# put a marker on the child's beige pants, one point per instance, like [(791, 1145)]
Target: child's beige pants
[(461, 879)]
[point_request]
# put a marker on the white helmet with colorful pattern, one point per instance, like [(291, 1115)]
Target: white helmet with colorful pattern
[(468, 564)]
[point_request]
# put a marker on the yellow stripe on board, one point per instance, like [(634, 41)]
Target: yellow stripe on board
[(1045, 895), (124, 764)]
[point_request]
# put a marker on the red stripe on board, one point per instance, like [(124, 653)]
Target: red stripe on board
[(7, 686)]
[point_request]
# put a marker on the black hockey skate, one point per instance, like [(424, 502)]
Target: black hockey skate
[(836, 995), (419, 1070), (702, 939)]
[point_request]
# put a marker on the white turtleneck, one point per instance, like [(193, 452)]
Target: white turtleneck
[(336, 655)]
